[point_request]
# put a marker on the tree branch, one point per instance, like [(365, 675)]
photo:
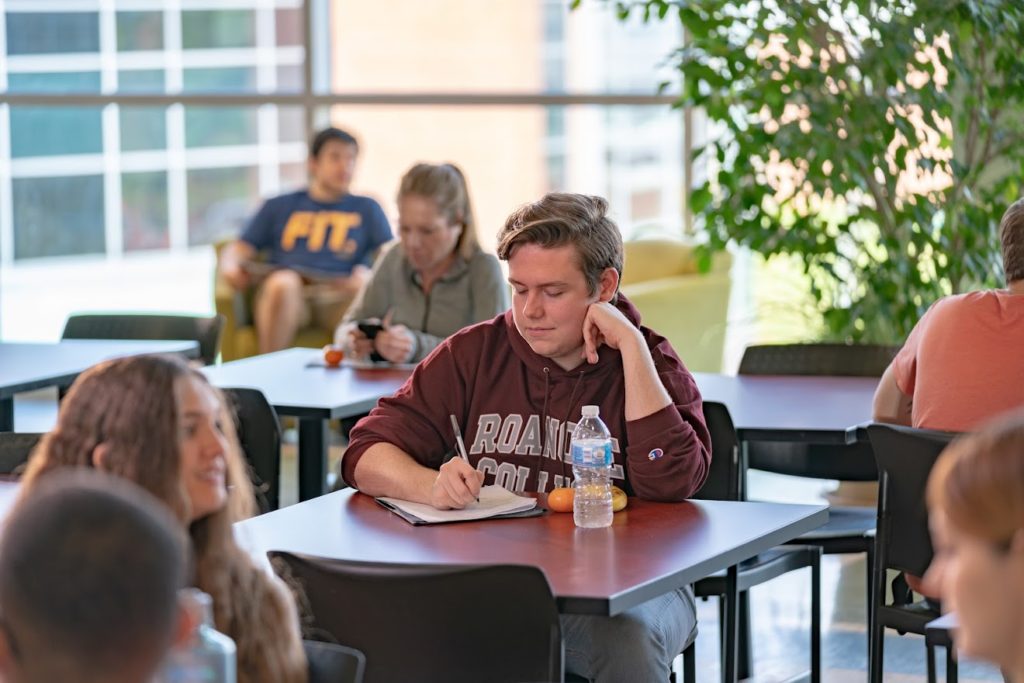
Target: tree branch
[(881, 203)]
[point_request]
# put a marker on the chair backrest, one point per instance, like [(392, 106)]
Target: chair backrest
[(205, 331), (724, 481), (434, 622), (14, 450), (905, 458), (852, 462), (846, 462), (330, 663), (840, 360), (259, 432)]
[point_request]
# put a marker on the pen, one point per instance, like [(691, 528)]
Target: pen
[(459, 443), (458, 440)]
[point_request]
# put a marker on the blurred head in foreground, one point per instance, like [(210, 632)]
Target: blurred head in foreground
[(90, 568), (976, 512)]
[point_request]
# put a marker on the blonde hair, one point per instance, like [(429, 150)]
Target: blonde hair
[(445, 185), (978, 481), (130, 406)]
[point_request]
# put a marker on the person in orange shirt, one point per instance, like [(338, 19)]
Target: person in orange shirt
[(963, 362)]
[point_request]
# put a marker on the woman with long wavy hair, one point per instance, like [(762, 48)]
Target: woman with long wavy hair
[(159, 423)]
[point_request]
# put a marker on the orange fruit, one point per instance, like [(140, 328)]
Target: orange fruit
[(560, 500), (333, 355)]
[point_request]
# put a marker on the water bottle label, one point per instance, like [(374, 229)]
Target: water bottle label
[(194, 672), (597, 454)]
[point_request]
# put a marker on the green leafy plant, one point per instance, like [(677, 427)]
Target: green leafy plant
[(880, 141)]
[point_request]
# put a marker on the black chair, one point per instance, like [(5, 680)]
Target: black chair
[(434, 622), (14, 451), (331, 663), (905, 458), (689, 664), (838, 360), (849, 529), (259, 433), (941, 635), (205, 331), (724, 482)]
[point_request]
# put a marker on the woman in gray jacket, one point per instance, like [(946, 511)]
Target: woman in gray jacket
[(433, 281)]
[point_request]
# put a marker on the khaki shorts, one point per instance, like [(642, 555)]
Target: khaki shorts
[(323, 305)]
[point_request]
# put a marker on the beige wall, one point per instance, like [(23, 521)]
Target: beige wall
[(444, 46)]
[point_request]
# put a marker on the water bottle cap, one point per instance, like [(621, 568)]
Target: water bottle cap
[(200, 604), (591, 411)]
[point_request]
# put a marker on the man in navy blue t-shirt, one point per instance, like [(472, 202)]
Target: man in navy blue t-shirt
[(320, 244)]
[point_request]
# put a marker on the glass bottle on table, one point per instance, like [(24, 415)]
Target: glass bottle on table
[(208, 656)]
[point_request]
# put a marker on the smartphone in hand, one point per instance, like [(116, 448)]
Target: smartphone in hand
[(369, 328)]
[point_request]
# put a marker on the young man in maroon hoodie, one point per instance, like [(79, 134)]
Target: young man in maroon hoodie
[(516, 386)]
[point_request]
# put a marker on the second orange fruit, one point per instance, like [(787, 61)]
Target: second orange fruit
[(560, 500)]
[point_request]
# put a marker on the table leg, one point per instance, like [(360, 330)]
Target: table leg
[(742, 466), (730, 620), (312, 457), (7, 414)]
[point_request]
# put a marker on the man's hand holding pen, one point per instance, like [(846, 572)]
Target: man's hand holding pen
[(456, 486), (458, 482)]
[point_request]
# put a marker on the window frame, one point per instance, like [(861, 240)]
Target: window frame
[(313, 100)]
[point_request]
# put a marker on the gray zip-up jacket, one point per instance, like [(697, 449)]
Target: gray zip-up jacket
[(470, 292)]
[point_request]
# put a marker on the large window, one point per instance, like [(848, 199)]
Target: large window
[(113, 179), (140, 131)]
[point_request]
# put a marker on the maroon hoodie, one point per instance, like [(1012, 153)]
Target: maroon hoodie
[(517, 410)]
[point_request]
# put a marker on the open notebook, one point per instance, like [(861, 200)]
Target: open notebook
[(367, 364), (495, 501)]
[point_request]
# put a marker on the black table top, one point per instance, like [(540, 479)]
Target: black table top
[(792, 408), (28, 366), (785, 408)]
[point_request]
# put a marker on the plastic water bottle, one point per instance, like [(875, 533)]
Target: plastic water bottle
[(591, 468), (208, 657)]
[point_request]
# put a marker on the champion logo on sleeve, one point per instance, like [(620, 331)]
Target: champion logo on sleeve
[(655, 454)]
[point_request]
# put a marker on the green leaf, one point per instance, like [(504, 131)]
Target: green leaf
[(700, 198)]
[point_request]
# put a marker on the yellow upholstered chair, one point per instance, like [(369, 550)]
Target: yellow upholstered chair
[(687, 307), (239, 338)]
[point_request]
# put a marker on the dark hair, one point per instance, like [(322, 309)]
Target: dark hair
[(1011, 236), (562, 218), (445, 185), (90, 566), (326, 135)]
